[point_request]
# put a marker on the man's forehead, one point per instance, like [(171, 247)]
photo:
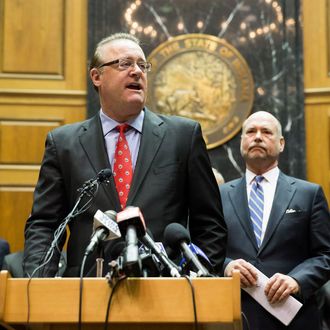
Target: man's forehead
[(260, 121), (122, 44)]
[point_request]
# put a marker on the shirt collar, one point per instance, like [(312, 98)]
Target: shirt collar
[(270, 176), (108, 124)]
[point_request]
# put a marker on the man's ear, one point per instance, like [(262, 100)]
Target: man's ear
[(282, 144), (95, 75)]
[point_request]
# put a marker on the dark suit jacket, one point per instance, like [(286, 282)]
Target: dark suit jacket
[(172, 175), (323, 299), (296, 243), (13, 262), (4, 250)]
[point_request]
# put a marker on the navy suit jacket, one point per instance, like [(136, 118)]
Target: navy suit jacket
[(172, 177), (296, 243)]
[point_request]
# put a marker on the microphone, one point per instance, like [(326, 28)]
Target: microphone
[(117, 249), (150, 264), (103, 176), (116, 261), (177, 236), (169, 264), (131, 225), (202, 257), (104, 228)]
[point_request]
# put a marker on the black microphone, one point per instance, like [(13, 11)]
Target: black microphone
[(202, 257), (150, 264), (117, 249), (177, 236), (103, 176), (169, 264), (116, 261), (105, 228), (131, 225)]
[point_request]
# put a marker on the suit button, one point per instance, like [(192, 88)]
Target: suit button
[(256, 262)]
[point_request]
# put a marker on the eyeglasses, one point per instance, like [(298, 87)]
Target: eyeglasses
[(126, 63)]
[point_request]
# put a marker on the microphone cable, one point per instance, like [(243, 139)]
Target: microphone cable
[(114, 287), (62, 227), (89, 189), (193, 300), (124, 277), (81, 287)]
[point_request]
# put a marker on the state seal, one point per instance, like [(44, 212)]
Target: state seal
[(204, 78)]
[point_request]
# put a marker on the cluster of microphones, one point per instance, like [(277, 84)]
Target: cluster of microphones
[(138, 255)]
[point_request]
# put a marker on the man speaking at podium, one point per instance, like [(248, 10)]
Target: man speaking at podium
[(159, 164)]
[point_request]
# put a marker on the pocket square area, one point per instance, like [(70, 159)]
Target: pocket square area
[(292, 211)]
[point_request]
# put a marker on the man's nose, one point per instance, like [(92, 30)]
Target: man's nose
[(258, 135), (135, 69)]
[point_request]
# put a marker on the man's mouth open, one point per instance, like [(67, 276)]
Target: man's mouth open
[(134, 86)]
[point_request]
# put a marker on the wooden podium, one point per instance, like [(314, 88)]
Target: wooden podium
[(138, 303)]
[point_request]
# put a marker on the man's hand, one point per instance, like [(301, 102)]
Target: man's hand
[(248, 272), (279, 287)]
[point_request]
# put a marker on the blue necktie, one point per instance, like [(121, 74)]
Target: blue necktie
[(256, 206)]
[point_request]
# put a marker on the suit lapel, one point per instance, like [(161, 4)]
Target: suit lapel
[(92, 142), (239, 201), (152, 135), (283, 195)]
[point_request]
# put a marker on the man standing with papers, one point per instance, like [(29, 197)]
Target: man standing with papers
[(277, 225)]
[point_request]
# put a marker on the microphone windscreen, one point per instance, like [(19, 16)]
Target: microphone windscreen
[(174, 234), (104, 175)]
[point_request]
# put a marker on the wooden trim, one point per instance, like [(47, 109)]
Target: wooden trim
[(35, 92)]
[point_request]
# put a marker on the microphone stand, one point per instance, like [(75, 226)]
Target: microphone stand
[(99, 262), (88, 189)]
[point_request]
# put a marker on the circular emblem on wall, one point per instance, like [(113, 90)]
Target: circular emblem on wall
[(204, 78)]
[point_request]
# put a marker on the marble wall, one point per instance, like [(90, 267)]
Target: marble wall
[(268, 35)]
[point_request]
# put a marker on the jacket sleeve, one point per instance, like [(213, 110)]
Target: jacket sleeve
[(206, 223), (49, 209), (314, 271)]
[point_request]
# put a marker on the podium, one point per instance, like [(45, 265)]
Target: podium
[(137, 303)]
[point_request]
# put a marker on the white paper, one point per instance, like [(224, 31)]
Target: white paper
[(285, 311)]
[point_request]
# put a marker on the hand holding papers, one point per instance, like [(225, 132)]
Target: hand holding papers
[(284, 311)]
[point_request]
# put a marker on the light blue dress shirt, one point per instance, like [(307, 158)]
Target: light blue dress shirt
[(133, 136)]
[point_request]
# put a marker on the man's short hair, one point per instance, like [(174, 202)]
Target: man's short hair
[(96, 59)]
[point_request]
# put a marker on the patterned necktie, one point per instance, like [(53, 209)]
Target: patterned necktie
[(122, 168), (256, 206)]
